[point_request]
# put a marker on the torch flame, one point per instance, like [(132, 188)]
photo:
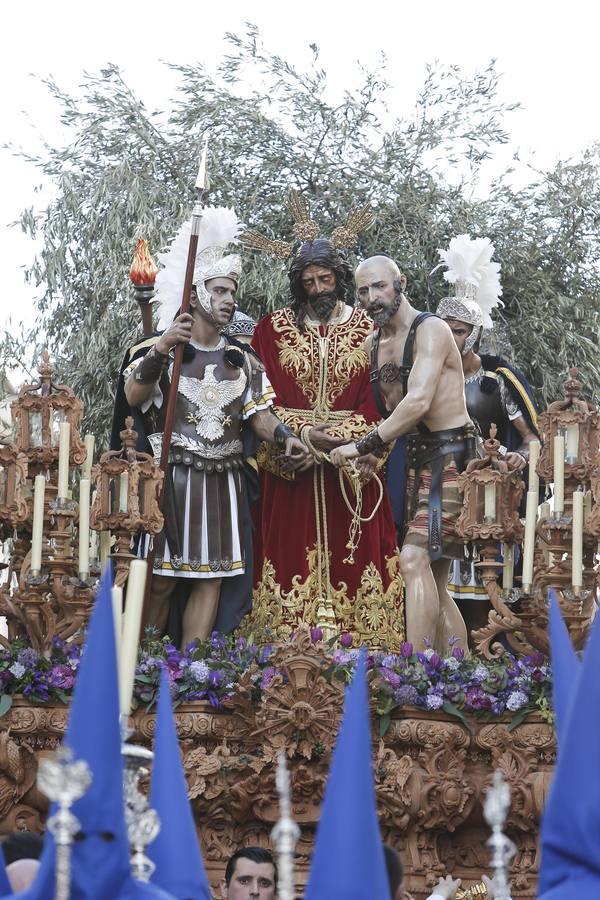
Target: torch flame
[(143, 268)]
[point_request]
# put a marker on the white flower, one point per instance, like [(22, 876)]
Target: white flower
[(452, 663), (17, 669), (429, 653), (200, 670)]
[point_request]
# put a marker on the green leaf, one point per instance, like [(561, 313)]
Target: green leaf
[(5, 704), (384, 724), (519, 716)]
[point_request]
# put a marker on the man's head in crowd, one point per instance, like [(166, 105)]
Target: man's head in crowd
[(320, 276), (251, 874), (380, 286)]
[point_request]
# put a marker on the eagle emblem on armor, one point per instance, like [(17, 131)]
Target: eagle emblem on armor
[(211, 398)]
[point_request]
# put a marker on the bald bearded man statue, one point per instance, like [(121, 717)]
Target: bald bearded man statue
[(416, 371)]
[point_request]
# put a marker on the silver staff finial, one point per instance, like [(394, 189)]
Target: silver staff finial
[(63, 782), (495, 810), (285, 833), (143, 823)]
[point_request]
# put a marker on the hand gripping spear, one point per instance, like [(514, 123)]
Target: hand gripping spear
[(201, 187)]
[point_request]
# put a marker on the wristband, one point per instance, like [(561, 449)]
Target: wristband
[(370, 443), (149, 370)]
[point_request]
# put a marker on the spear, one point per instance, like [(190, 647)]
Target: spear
[(201, 187)]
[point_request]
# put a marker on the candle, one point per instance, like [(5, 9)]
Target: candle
[(529, 542), (64, 447), (544, 511), (123, 489), (117, 607), (84, 528), (134, 602), (489, 502), (559, 474), (86, 471), (572, 445), (38, 524), (509, 566), (534, 455), (577, 540), (104, 547)]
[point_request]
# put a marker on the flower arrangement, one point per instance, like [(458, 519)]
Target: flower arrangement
[(210, 670)]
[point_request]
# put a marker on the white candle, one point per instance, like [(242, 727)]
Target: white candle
[(117, 606), (572, 446), (104, 547), (544, 511), (38, 524), (577, 540), (509, 566), (84, 528), (529, 542), (559, 474), (86, 471), (534, 455), (134, 602), (123, 489), (64, 447), (489, 502)]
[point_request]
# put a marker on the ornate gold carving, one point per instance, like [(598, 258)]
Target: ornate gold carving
[(375, 615)]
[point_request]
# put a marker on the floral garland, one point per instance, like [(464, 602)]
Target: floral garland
[(210, 670)]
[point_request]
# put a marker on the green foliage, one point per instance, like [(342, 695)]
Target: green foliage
[(127, 170)]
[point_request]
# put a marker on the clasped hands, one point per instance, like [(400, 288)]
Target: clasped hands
[(329, 445)]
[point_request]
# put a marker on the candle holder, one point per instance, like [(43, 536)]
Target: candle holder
[(489, 486), (127, 486), (38, 412), (578, 421)]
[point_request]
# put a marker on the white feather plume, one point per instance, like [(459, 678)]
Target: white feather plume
[(219, 227), (470, 260)]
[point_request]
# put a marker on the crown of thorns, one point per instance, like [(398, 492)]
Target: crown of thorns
[(306, 229)]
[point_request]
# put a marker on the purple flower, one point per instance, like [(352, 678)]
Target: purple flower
[(62, 677), (316, 635), (215, 678), (346, 640), (458, 653), (200, 670), (406, 649), (217, 641), (390, 677), (480, 674), (406, 695), (27, 657), (267, 676), (241, 643)]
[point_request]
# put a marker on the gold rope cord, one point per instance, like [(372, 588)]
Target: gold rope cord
[(351, 473)]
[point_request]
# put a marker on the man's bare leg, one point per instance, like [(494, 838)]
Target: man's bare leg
[(450, 622), (156, 611), (201, 610), (422, 603)]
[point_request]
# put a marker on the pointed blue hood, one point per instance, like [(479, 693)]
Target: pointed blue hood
[(570, 866), (348, 861), (176, 850)]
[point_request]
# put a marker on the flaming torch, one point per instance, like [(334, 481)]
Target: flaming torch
[(142, 275)]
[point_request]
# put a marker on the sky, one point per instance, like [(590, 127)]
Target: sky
[(546, 52)]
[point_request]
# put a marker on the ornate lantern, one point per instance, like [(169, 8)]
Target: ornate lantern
[(577, 422), (13, 473), (489, 517), (38, 413), (127, 493)]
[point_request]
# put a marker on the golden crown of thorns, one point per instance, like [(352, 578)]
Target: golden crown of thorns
[(305, 229)]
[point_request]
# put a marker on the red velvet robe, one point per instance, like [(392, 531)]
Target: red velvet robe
[(322, 375)]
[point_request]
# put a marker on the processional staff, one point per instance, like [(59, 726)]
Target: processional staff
[(201, 188)]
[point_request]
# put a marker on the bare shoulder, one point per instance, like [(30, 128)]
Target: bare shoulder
[(434, 329)]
